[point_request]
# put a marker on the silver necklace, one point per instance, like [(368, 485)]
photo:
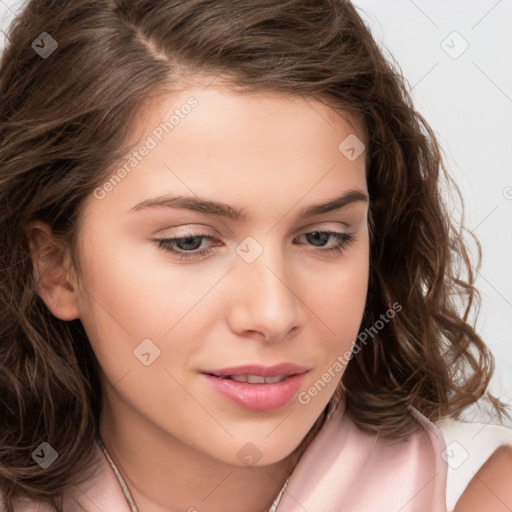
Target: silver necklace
[(131, 502)]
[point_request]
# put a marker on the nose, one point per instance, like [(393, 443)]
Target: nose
[(266, 299)]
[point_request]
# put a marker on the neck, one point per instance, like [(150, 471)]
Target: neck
[(198, 483)]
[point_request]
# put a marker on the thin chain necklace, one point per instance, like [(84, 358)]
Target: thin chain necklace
[(130, 500)]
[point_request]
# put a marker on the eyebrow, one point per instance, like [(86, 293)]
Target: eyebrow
[(220, 209)]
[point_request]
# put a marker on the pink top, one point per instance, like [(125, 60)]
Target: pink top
[(343, 469), (346, 469)]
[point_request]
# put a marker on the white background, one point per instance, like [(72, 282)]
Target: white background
[(467, 99)]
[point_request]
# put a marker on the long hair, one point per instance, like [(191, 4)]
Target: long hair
[(65, 118)]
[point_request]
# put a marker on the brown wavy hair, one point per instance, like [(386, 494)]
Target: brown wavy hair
[(64, 122)]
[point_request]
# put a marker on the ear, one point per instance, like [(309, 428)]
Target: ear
[(53, 271)]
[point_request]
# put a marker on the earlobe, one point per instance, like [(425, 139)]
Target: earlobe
[(51, 269)]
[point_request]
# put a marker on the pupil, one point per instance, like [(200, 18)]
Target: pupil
[(189, 240), (318, 234)]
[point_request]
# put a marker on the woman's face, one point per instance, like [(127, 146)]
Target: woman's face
[(266, 287)]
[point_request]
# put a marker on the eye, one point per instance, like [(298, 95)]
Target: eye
[(188, 246), (342, 239)]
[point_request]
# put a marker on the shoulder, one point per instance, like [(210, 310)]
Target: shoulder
[(490, 489), (473, 453)]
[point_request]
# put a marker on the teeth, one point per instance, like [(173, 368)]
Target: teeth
[(257, 379), (277, 378), (238, 378)]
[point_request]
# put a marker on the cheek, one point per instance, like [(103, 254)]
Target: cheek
[(123, 284), (119, 304), (130, 294), (340, 304), (342, 298), (339, 301)]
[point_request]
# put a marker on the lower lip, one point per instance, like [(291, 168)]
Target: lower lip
[(258, 397)]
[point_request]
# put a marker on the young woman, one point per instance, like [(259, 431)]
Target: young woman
[(228, 281)]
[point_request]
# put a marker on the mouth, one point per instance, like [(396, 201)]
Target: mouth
[(257, 371), (252, 379), (258, 388)]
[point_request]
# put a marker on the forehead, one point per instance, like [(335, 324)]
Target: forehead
[(242, 148), (292, 117)]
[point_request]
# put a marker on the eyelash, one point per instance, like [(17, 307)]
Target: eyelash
[(345, 239)]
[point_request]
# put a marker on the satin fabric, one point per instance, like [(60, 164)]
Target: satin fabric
[(343, 470), (346, 469)]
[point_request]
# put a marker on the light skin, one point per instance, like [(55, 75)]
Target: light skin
[(272, 156), (489, 490)]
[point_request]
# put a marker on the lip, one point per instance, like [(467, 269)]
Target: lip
[(258, 397), (258, 369)]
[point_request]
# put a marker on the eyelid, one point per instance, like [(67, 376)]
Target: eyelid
[(189, 229), (318, 226)]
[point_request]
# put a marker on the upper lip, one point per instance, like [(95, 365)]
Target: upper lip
[(260, 370)]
